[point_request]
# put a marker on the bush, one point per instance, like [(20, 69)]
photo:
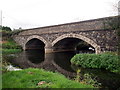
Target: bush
[(105, 61), (6, 35), (10, 44), (5, 28), (10, 51)]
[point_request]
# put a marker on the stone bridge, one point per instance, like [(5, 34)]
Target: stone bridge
[(67, 36)]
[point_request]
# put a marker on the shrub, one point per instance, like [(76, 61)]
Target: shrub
[(105, 61), (10, 44), (10, 51), (5, 28)]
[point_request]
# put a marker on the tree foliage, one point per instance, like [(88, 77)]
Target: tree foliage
[(7, 33), (5, 28)]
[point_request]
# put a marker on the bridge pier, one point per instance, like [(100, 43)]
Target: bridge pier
[(48, 50), (24, 48), (51, 50)]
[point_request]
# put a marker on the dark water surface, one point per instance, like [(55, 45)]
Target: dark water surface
[(60, 62)]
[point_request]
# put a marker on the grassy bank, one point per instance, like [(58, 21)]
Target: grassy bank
[(100, 61), (10, 47), (10, 51), (38, 78), (8, 44), (6, 58)]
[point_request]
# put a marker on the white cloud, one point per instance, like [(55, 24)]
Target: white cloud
[(36, 13)]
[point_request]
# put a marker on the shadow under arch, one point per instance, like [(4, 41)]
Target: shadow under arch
[(34, 40), (81, 37)]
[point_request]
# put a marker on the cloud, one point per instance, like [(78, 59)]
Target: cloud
[(33, 13)]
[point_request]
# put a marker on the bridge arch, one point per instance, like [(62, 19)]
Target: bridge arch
[(81, 37), (35, 37)]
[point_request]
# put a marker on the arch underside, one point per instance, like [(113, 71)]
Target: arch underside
[(34, 42), (78, 38), (70, 42), (73, 44)]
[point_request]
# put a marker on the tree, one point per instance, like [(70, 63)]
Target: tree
[(6, 28)]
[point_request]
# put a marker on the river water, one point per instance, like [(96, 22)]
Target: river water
[(60, 62)]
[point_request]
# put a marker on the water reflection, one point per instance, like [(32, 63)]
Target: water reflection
[(60, 62), (106, 78), (35, 56), (63, 60)]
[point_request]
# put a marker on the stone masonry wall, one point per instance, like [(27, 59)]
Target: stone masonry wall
[(92, 29)]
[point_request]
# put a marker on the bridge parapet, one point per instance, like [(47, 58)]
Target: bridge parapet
[(96, 24)]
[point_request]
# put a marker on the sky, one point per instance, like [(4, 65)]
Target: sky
[(39, 13)]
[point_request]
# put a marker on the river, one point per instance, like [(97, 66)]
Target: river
[(60, 62)]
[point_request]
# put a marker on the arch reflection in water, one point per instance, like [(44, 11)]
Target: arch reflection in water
[(30, 58), (35, 56), (53, 61)]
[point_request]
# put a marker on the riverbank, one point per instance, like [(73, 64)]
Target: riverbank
[(5, 58), (10, 51), (38, 78), (8, 47)]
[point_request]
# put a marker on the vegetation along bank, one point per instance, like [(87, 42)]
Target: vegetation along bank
[(38, 78), (106, 61)]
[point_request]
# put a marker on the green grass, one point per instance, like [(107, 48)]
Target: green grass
[(10, 44), (10, 47), (29, 78), (10, 51)]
